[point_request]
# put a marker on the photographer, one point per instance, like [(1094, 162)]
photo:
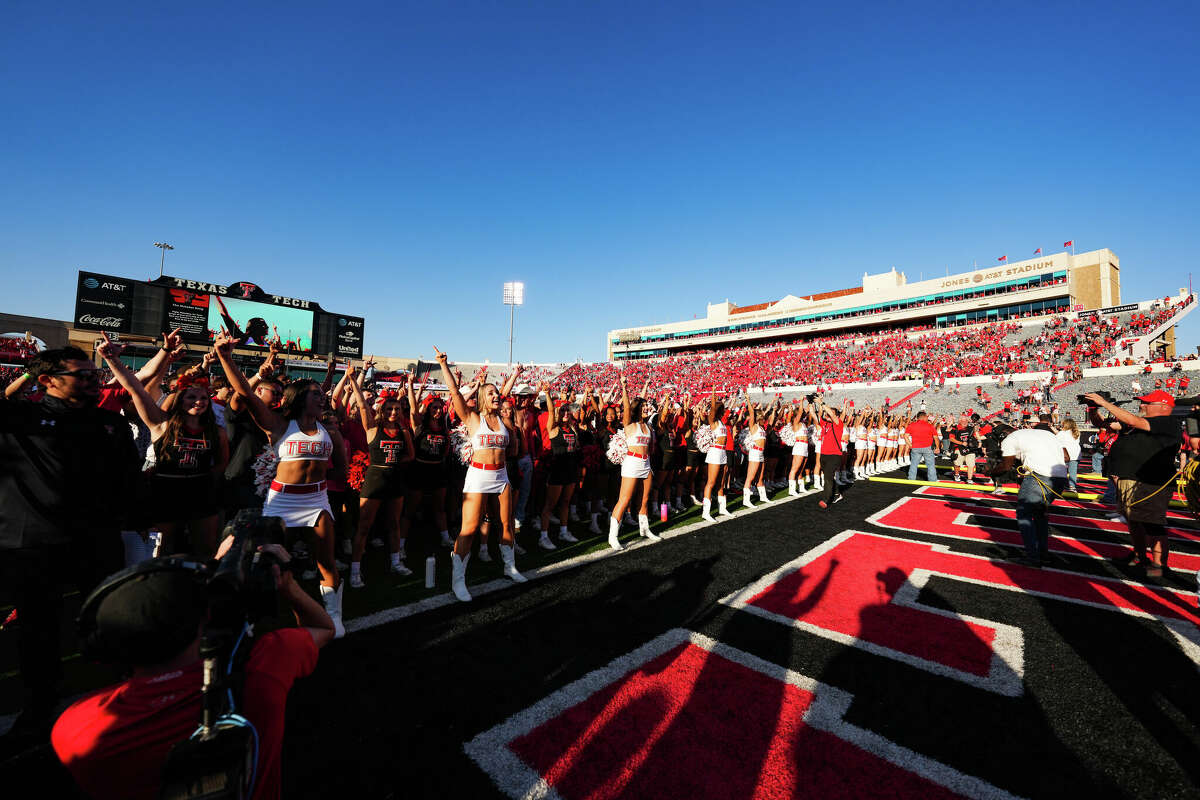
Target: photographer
[(116, 741), (1143, 463), (1044, 475)]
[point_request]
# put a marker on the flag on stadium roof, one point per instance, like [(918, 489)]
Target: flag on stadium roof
[(1037, 252), (1069, 244), (1002, 258)]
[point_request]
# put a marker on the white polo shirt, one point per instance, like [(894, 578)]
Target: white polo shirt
[(1039, 450)]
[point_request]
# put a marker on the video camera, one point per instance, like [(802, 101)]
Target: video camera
[(1104, 393), (219, 760)]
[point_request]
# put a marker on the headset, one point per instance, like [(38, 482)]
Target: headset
[(91, 641)]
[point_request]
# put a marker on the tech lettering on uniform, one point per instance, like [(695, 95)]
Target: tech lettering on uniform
[(304, 448)]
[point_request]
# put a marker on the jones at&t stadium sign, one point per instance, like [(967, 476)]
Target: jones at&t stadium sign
[(991, 275)]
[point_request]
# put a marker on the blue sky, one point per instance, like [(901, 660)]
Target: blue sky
[(629, 161)]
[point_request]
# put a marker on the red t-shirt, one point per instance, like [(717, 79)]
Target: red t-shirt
[(113, 398), (113, 741), (831, 438), (921, 432)]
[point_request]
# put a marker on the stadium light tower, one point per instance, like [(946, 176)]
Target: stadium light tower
[(162, 261), (514, 295)]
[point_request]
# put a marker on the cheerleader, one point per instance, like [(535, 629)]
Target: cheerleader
[(608, 474), (635, 468), (427, 478), (799, 424), (872, 443), (716, 459), (191, 451), (756, 446), (390, 446), (776, 450), (680, 419), (663, 454), (485, 488), (305, 447), (860, 444), (812, 467), (693, 457), (902, 440), (563, 473), (796, 480)]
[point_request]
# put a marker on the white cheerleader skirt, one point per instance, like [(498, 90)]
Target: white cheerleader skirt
[(800, 449), (485, 481), (635, 467), (298, 510), (860, 444), (755, 456), (716, 455)]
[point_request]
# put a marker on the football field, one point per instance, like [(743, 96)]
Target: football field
[(884, 647)]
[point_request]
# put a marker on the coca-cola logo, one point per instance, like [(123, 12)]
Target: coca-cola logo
[(101, 322)]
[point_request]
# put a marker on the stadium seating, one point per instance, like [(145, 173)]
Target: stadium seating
[(999, 348)]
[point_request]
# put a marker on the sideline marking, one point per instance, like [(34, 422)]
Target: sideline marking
[(481, 589), (628, 728)]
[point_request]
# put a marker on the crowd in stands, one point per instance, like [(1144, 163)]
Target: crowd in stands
[(900, 305), (995, 348), (16, 349)]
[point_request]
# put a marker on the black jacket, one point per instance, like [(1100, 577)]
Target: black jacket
[(65, 473)]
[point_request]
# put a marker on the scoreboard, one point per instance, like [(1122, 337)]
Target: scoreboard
[(200, 310)]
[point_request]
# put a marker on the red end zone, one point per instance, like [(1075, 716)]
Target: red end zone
[(684, 716), (861, 589)]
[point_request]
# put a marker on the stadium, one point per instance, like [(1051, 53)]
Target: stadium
[(892, 643)]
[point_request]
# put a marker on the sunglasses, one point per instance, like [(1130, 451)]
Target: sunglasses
[(77, 373)]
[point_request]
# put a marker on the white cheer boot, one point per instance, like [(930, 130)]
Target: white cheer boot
[(510, 564), (614, 528), (644, 528), (332, 599), (458, 576), (724, 512)]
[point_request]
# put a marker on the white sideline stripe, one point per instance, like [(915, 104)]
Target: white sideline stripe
[(826, 713), (478, 590)]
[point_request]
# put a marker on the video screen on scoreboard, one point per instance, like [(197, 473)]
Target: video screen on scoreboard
[(258, 323)]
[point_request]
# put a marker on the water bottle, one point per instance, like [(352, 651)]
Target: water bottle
[(662, 511), (430, 567)]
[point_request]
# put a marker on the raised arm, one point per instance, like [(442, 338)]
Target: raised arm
[(456, 398), (712, 406), (413, 416), (266, 419), (366, 414), (626, 411), (329, 368), (507, 388), (154, 417), (551, 414)]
